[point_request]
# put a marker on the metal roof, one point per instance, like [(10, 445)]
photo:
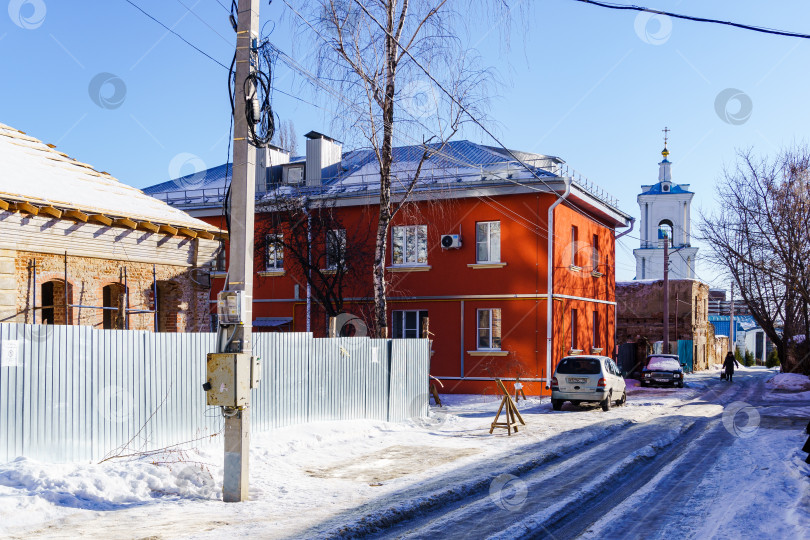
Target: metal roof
[(742, 323), (38, 174), (457, 161), (453, 167), (271, 322), (674, 189)]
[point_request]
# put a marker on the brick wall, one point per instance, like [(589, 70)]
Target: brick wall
[(640, 315), (182, 303)]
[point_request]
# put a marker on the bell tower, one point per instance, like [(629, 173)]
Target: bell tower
[(665, 217)]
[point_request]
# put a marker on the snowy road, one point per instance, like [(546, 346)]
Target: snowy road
[(664, 478), (712, 460)]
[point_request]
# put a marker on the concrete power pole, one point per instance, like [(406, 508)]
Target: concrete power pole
[(732, 343), (240, 272), (666, 296)]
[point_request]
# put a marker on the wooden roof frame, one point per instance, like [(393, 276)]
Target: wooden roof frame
[(107, 221)]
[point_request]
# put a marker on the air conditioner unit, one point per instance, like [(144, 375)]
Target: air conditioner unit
[(451, 241)]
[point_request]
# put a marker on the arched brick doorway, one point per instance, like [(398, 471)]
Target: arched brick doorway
[(168, 306), (113, 302), (52, 301)]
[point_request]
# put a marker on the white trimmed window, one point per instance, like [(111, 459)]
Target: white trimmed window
[(408, 323), (488, 241), (335, 248), (409, 245), (489, 329), (273, 252)]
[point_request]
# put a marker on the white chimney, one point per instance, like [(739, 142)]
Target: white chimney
[(267, 157), (323, 157)]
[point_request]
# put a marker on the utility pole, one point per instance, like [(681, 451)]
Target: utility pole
[(666, 296), (732, 343), (240, 272), (677, 301)]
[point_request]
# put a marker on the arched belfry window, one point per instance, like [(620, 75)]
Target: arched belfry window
[(665, 230)]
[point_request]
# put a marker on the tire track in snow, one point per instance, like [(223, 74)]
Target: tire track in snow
[(674, 483)]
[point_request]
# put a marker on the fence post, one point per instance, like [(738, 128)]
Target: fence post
[(332, 327)]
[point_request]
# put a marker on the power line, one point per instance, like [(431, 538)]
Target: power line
[(223, 6), (187, 42), (211, 57), (761, 29), (226, 40), (437, 83), (316, 81), (294, 65), (459, 104)]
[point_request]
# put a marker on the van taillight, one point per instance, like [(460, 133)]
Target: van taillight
[(601, 382), (554, 381)]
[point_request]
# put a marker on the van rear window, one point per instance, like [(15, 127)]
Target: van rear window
[(579, 366)]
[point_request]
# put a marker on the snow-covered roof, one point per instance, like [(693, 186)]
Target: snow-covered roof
[(36, 173), (456, 163)]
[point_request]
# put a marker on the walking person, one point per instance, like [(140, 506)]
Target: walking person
[(728, 365)]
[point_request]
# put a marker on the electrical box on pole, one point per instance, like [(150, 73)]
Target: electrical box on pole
[(231, 307), (230, 378), (233, 371)]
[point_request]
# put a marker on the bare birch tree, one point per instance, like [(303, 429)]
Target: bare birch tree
[(761, 238), (307, 239), (401, 75), (286, 137)]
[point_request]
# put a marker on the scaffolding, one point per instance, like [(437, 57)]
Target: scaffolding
[(122, 307)]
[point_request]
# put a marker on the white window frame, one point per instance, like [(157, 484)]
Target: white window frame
[(273, 245), (400, 235), (402, 331), (487, 242), (490, 328), (339, 234)]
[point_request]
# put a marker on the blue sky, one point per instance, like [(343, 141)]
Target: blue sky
[(590, 85)]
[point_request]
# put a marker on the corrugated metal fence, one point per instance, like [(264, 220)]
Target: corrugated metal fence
[(74, 393)]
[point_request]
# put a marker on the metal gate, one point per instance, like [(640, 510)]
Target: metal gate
[(685, 353), (627, 358)]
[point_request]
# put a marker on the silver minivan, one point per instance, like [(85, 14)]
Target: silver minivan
[(587, 378)]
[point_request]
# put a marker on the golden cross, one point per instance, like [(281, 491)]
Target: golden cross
[(666, 131)]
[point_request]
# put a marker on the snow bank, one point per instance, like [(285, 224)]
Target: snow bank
[(31, 490), (789, 382), (312, 478)]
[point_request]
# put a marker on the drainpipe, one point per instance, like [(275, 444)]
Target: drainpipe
[(616, 307), (632, 224), (309, 270), (550, 288)]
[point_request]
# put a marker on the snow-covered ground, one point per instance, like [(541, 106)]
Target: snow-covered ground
[(306, 476)]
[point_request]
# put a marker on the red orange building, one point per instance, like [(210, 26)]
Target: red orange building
[(485, 291)]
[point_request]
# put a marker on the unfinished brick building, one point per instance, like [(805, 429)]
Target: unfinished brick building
[(640, 318), (79, 247)]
